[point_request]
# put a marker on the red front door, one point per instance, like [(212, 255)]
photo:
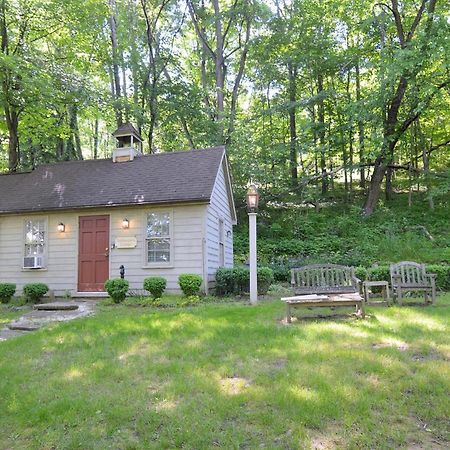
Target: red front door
[(93, 253)]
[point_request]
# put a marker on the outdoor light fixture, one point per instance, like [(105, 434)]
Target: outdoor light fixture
[(61, 227), (252, 198), (125, 223)]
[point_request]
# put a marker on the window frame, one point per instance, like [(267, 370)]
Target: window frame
[(43, 219), (146, 239)]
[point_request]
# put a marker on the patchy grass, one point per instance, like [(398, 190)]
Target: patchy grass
[(9, 313), (229, 376)]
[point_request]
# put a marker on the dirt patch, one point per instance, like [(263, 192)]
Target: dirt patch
[(234, 385), (402, 347), (424, 436), (326, 439), (432, 355), (278, 364)]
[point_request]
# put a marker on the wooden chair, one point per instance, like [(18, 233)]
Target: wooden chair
[(412, 276)]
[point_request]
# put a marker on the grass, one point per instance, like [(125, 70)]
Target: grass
[(229, 376), (9, 313)]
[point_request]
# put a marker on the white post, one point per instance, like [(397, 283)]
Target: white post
[(253, 259)]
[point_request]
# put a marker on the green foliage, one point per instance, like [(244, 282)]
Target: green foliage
[(190, 284), (236, 280), (265, 279), (117, 289), (156, 286), (442, 275), (35, 291), (7, 291)]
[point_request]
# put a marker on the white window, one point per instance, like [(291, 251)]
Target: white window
[(35, 243), (158, 239), (221, 244)]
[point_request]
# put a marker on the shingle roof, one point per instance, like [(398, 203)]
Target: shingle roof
[(152, 179), (127, 129)]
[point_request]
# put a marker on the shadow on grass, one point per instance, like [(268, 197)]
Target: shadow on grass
[(226, 376)]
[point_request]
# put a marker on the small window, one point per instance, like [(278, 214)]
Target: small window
[(35, 243), (221, 244), (158, 238)]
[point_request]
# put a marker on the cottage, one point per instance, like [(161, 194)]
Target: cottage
[(73, 224)]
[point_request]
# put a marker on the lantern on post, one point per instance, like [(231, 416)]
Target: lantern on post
[(252, 199)]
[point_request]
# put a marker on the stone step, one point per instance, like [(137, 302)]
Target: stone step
[(56, 306), (23, 326), (6, 333)]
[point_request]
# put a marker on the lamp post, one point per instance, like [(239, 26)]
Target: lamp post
[(252, 198)]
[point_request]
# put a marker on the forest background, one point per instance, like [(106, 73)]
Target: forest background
[(337, 109)]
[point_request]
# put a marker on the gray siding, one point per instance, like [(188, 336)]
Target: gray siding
[(219, 209), (61, 273)]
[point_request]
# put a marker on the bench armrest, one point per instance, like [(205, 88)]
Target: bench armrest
[(396, 279), (430, 275)]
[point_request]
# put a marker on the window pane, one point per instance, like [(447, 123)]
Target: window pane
[(158, 250), (35, 236), (158, 224)]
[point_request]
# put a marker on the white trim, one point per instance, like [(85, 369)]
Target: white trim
[(205, 250), (46, 242), (158, 265)]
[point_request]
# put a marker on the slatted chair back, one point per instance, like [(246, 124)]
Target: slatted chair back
[(408, 274), (324, 279)]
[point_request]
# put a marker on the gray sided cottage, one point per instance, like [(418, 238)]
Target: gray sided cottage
[(73, 224)]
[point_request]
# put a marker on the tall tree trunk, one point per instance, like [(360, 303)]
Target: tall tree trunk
[(426, 169), (96, 138), (321, 118), (219, 70), (12, 122), (115, 61), (362, 172), (292, 125)]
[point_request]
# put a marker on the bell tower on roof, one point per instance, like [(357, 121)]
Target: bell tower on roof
[(129, 143)]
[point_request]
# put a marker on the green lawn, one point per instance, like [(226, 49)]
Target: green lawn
[(229, 376)]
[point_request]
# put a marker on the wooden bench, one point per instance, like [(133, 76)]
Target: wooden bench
[(412, 276), (324, 285)]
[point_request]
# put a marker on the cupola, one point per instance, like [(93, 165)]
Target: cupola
[(129, 143)]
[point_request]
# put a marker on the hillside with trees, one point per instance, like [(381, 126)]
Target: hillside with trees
[(338, 109)]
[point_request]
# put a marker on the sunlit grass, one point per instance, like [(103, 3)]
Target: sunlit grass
[(229, 376)]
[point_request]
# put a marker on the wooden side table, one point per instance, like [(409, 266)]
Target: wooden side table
[(384, 289)]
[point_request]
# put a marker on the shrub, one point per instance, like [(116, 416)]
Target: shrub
[(442, 272), (278, 290), (265, 279), (156, 286), (7, 291), (117, 289), (190, 284), (35, 291), (236, 280)]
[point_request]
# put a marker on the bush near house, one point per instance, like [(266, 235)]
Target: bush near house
[(117, 289), (35, 291), (190, 284), (156, 286), (7, 291), (236, 280)]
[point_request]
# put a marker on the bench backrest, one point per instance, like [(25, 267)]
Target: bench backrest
[(408, 273), (323, 279)]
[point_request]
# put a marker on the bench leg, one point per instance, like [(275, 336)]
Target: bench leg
[(366, 293), (388, 297), (361, 310), (288, 313), (433, 293), (399, 295)]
